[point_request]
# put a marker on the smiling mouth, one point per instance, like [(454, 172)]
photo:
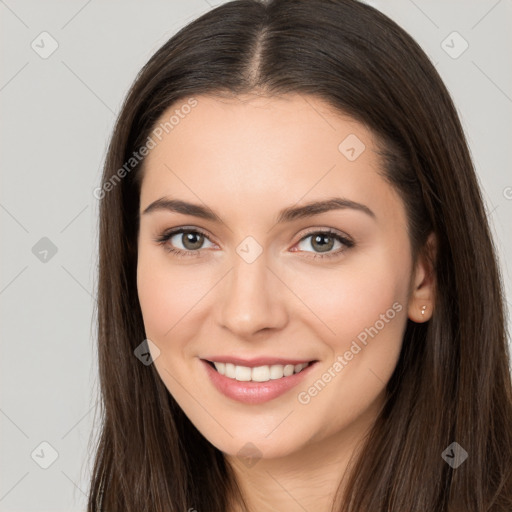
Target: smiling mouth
[(258, 373)]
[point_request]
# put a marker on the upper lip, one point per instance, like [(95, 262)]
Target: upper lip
[(256, 361)]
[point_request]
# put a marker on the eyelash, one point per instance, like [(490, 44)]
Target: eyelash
[(165, 236)]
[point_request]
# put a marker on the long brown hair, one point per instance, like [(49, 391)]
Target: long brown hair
[(452, 382)]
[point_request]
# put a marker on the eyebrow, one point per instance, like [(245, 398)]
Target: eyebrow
[(286, 215)]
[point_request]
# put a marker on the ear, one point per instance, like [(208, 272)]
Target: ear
[(422, 297)]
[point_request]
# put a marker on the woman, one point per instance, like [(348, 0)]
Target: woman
[(299, 302)]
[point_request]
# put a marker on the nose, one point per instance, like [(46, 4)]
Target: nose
[(253, 298)]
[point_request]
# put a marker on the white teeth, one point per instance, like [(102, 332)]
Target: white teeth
[(258, 373), (221, 367), (288, 370), (276, 371), (242, 373), (230, 370)]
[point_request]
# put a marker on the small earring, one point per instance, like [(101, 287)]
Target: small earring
[(423, 310)]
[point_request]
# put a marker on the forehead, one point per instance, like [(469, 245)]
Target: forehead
[(252, 151), (239, 128)]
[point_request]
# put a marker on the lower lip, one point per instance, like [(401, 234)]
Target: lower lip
[(254, 392)]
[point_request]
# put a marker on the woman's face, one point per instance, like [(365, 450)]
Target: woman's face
[(257, 287)]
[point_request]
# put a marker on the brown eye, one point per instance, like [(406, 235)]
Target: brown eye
[(191, 240), (323, 242), (182, 241)]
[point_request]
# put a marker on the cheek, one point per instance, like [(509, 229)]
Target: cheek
[(348, 299), (156, 299), (157, 286), (361, 315), (170, 296)]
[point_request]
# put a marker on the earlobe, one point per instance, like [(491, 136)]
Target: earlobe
[(422, 298), (420, 314)]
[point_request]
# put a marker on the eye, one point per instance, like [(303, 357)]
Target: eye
[(324, 241), (190, 239)]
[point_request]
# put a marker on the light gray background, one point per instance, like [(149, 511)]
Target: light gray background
[(57, 114)]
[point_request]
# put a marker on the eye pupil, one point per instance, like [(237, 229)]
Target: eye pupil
[(323, 246), (189, 237)]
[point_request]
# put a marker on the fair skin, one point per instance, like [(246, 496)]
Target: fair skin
[(247, 159)]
